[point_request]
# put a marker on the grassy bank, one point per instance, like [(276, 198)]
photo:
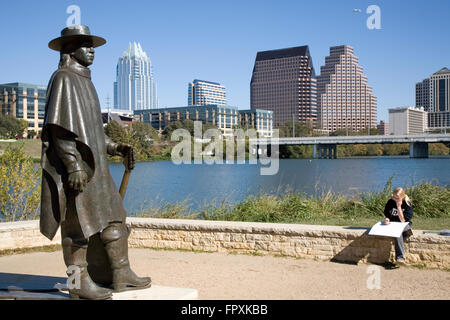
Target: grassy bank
[(431, 208), (32, 148)]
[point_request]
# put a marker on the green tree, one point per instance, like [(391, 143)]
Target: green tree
[(295, 152), (395, 149), (208, 126), (350, 132), (300, 129), (340, 132), (374, 150), (20, 188), (365, 132), (185, 124), (189, 125), (138, 134), (31, 134), (171, 127), (115, 131), (143, 132), (143, 137), (438, 149), (11, 127)]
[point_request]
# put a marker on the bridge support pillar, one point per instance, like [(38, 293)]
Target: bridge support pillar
[(326, 151), (333, 151), (262, 150), (418, 150)]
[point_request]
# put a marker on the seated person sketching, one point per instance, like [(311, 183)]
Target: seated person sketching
[(399, 209)]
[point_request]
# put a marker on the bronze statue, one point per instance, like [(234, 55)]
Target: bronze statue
[(78, 192)]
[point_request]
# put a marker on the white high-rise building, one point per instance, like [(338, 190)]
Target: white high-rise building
[(201, 93), (135, 87), (407, 120)]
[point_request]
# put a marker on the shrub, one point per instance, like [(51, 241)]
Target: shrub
[(20, 188)]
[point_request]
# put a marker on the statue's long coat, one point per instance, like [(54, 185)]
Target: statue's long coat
[(73, 107)]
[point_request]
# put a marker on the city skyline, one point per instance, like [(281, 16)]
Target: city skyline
[(226, 53)]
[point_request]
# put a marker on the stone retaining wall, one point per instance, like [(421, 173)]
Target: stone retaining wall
[(23, 235), (341, 244)]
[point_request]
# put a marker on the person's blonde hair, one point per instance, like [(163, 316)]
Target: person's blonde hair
[(401, 193)]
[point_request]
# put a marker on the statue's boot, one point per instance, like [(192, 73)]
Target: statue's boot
[(83, 286), (115, 238)]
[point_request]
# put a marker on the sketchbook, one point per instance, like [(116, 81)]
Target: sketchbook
[(393, 229)]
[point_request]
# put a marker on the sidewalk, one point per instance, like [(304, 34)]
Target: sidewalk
[(226, 276)]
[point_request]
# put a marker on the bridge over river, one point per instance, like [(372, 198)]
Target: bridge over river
[(326, 147)]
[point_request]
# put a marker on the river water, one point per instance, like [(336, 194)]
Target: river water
[(154, 183)]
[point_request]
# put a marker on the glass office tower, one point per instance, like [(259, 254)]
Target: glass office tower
[(202, 93), (135, 87), (439, 112)]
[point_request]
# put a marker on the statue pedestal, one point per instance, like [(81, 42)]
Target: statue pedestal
[(158, 293), (152, 293), (32, 287)]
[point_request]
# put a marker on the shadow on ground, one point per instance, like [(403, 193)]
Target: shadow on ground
[(29, 282), (15, 286), (365, 248)]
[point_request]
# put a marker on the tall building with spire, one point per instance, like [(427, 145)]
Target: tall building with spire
[(283, 81), (345, 99), (135, 87)]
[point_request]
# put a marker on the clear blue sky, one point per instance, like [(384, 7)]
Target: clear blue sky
[(218, 41)]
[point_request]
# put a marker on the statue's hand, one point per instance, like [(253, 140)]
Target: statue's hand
[(78, 180), (126, 151)]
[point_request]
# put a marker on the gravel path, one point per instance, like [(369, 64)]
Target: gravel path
[(226, 276)]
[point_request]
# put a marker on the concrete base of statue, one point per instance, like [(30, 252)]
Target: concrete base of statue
[(158, 293), (31, 287)]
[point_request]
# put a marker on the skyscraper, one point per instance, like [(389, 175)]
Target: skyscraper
[(135, 87), (345, 99), (283, 81), (433, 94), (423, 94), (439, 111), (201, 93)]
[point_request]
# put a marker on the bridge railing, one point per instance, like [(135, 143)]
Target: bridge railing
[(427, 138)]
